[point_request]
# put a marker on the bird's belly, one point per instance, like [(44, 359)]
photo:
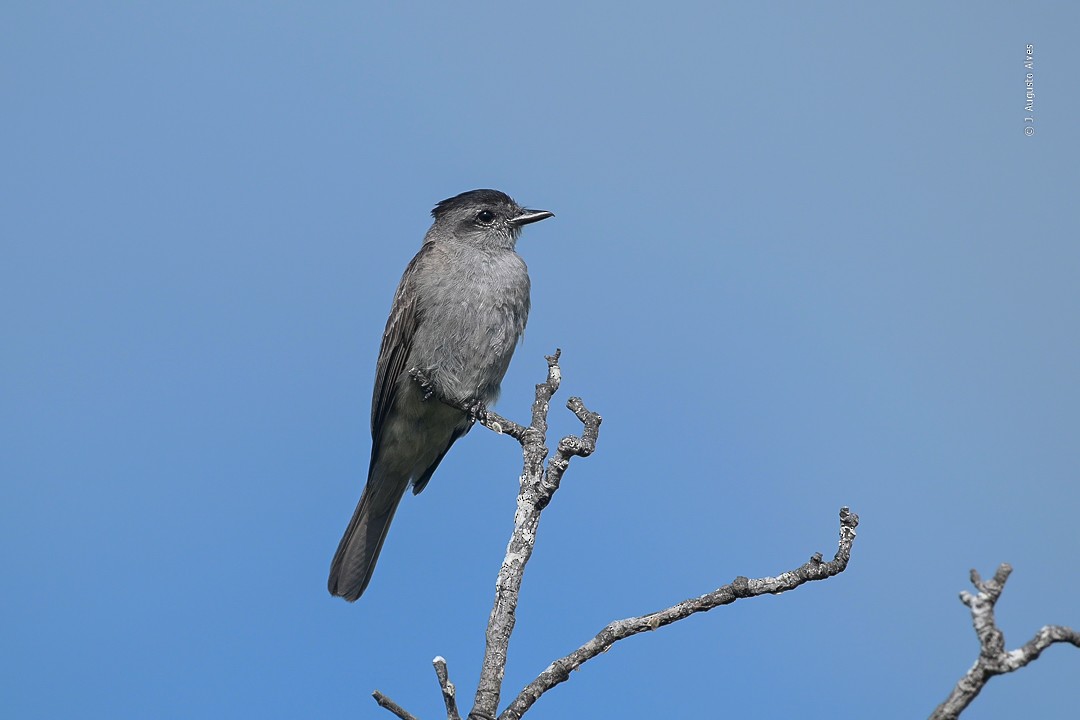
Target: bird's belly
[(417, 433)]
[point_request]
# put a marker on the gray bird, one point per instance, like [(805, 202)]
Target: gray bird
[(457, 316)]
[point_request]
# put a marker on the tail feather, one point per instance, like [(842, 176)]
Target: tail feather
[(354, 561)]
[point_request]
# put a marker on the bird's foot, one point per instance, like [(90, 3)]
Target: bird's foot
[(427, 389), (477, 410)]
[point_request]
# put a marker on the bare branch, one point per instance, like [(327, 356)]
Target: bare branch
[(571, 446), (993, 658), (559, 671), (393, 706), (537, 488), (448, 690)]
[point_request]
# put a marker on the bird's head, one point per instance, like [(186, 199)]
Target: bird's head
[(485, 218)]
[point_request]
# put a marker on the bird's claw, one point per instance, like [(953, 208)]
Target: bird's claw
[(426, 388), (474, 408), (477, 411)]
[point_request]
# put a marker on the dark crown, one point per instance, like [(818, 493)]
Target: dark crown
[(471, 199)]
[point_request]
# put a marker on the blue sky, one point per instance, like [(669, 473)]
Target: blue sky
[(802, 258)]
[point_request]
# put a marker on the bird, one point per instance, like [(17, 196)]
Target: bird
[(458, 314)]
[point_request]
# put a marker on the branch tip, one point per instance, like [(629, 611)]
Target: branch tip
[(993, 658), (449, 692), (392, 706)]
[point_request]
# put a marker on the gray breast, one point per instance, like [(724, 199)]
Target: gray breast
[(472, 320)]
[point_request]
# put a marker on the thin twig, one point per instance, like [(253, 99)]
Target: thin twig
[(504, 426), (559, 671), (571, 445), (448, 691), (993, 658), (393, 706)]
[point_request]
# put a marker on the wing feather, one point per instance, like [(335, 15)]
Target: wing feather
[(396, 346)]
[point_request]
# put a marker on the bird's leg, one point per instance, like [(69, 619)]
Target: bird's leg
[(426, 387), (474, 407)]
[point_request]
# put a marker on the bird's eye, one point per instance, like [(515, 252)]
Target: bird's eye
[(485, 217)]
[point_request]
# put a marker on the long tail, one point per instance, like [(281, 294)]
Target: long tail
[(354, 561)]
